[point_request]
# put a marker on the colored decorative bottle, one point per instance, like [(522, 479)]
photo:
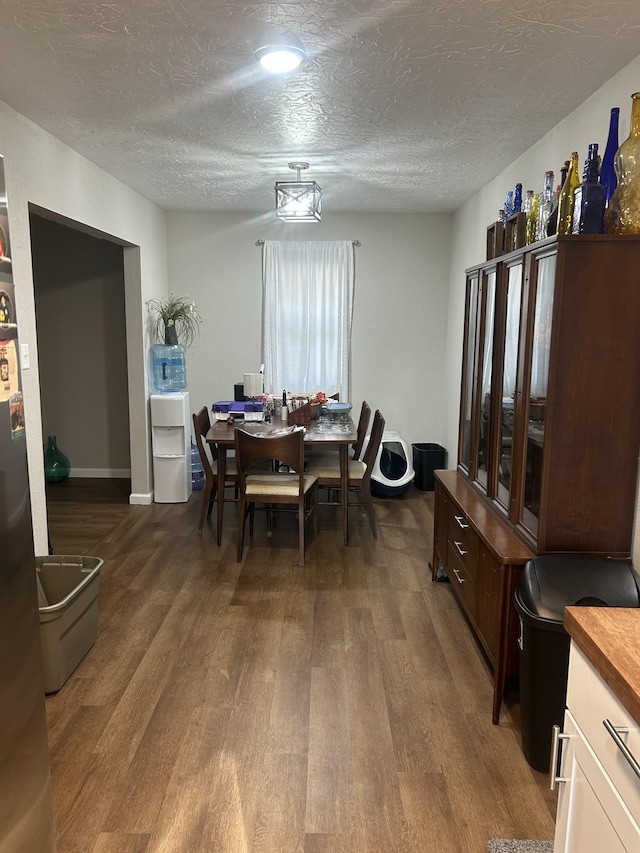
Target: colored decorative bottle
[(622, 216), (545, 205), (527, 202), (552, 224), (588, 199), (532, 220), (56, 465), (565, 202), (508, 204), (517, 199), (608, 177)]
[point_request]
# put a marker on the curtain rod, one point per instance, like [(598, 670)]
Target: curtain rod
[(262, 242)]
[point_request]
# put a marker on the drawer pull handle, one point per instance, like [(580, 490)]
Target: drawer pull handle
[(460, 550), (615, 732), (457, 574), (555, 752), (461, 521)]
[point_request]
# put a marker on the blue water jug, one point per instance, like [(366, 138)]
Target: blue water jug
[(197, 471), (169, 367)]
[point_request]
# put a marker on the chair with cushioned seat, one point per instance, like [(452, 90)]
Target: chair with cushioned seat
[(201, 426), (363, 424), (295, 490), (327, 470)]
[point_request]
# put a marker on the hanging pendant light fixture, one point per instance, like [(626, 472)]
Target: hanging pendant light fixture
[(298, 201)]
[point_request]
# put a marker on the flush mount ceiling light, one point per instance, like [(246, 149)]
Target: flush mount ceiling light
[(298, 201), (282, 53)]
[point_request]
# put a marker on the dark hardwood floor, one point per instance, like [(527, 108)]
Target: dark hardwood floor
[(265, 707)]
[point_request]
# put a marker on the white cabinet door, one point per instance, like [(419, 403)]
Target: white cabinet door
[(592, 818)]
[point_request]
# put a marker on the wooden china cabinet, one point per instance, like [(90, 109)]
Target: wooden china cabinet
[(549, 425)]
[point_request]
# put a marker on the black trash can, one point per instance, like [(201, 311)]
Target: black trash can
[(549, 584), (427, 458)]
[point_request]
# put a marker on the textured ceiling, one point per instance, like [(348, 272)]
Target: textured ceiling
[(403, 105)]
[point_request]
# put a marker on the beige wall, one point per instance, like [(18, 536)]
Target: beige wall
[(42, 172), (82, 345), (400, 306)]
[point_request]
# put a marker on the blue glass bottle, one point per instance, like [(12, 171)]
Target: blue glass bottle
[(517, 199), (508, 204), (608, 177), (589, 198)]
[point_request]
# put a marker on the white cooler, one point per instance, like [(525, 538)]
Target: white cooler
[(171, 446)]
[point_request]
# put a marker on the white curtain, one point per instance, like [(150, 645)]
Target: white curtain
[(308, 288)]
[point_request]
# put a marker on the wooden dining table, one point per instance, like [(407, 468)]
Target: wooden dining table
[(321, 434)]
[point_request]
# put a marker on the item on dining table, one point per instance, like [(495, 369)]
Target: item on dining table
[(299, 411), (338, 411), (247, 410), (252, 384)]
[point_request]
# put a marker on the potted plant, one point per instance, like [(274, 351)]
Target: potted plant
[(174, 323), (174, 320)]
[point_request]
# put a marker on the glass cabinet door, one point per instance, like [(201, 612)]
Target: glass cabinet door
[(543, 270), (465, 440), (484, 375), (507, 419)]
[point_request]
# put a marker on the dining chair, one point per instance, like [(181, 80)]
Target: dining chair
[(293, 490), (316, 454), (327, 471), (201, 426)]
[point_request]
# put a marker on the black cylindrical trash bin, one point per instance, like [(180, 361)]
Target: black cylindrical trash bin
[(549, 584), (427, 458)]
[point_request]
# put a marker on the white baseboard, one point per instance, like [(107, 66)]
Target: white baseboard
[(141, 500), (144, 499), (102, 473)]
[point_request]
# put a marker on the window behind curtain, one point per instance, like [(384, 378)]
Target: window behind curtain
[(308, 288)]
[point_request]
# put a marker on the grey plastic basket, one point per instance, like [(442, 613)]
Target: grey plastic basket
[(68, 608)]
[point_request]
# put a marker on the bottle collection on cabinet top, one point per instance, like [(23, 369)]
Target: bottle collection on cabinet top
[(603, 199)]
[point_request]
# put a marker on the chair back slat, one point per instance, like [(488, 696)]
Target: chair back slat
[(363, 426), (201, 425), (373, 446)]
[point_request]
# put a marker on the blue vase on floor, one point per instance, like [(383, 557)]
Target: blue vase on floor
[(56, 465)]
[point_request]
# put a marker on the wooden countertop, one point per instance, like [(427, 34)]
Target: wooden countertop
[(610, 639)]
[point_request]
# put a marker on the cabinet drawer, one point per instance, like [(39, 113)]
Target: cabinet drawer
[(462, 582), (592, 816), (591, 701), (463, 542)]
